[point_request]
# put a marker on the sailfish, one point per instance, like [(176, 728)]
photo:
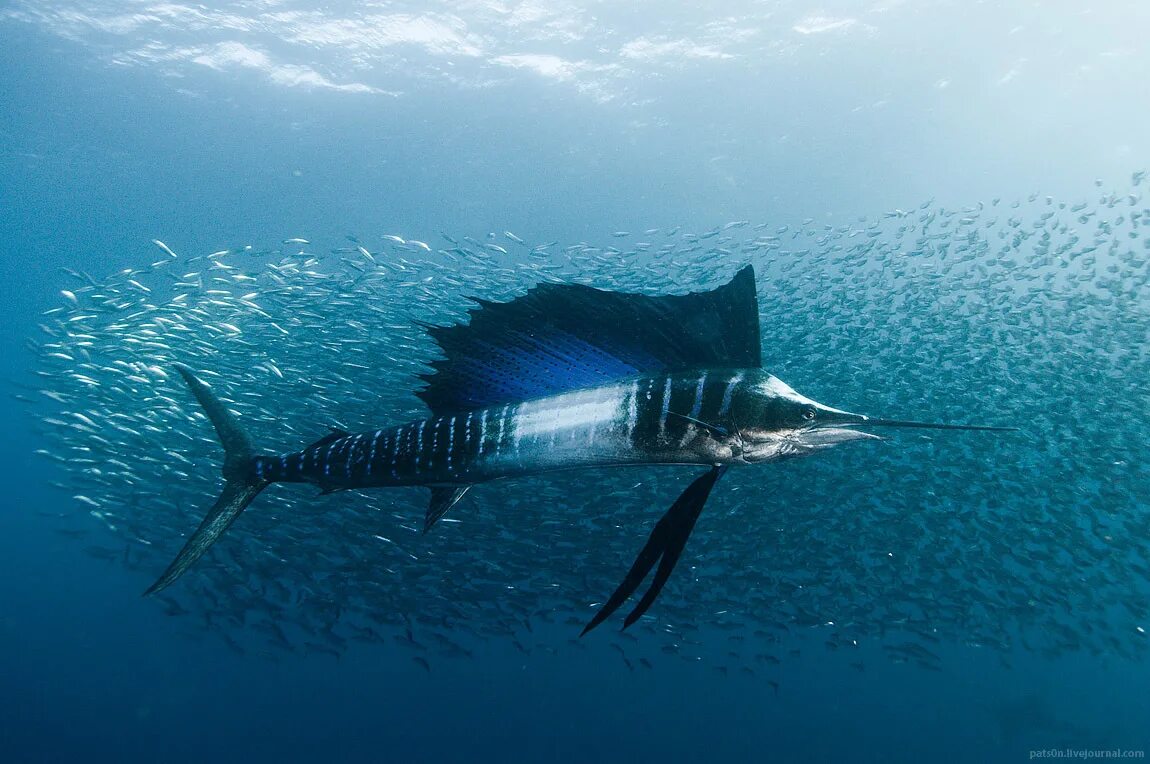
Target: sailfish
[(562, 377)]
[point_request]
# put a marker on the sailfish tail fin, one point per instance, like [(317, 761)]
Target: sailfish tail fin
[(241, 486)]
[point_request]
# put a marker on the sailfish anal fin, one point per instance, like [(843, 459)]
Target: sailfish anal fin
[(562, 337), (665, 546), (442, 499)]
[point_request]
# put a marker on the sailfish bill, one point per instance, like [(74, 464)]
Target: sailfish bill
[(871, 422), (564, 376)]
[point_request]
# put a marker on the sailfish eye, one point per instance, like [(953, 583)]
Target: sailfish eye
[(808, 414)]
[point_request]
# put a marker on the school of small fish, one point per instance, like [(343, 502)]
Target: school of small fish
[(1032, 313)]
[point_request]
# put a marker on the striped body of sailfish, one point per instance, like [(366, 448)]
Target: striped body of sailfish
[(565, 376)]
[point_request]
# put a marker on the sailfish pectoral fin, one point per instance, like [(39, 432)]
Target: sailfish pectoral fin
[(665, 545)]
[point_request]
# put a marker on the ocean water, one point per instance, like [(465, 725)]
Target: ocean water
[(947, 212)]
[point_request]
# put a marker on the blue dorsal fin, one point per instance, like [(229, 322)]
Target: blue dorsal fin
[(562, 337), (333, 435)]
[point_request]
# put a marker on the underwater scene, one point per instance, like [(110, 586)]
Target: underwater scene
[(779, 374)]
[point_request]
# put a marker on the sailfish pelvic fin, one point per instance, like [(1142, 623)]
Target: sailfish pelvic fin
[(665, 546)]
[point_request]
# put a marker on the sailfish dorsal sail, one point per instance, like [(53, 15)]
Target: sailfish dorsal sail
[(562, 337)]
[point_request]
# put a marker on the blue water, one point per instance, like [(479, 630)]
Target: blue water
[(217, 134)]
